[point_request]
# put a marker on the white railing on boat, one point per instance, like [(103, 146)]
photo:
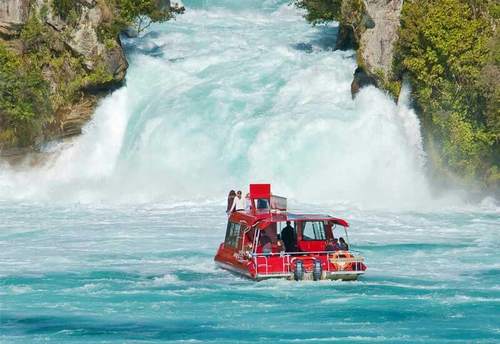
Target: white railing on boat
[(289, 257)]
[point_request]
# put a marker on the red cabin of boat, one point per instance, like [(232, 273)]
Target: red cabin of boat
[(259, 244)]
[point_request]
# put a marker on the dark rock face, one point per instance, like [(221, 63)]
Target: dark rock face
[(345, 38), (116, 64), (361, 79), (75, 117)]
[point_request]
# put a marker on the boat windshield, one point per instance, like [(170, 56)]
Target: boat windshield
[(340, 232), (313, 230)]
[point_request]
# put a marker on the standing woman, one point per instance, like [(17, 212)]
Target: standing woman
[(230, 200), (238, 203)]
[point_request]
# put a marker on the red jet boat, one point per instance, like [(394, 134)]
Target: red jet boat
[(266, 241)]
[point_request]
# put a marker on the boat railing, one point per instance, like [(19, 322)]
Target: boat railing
[(302, 253), (289, 257), (265, 264)]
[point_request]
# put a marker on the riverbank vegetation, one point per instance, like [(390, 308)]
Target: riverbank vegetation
[(449, 50)]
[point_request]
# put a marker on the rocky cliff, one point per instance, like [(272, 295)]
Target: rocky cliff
[(57, 58), (377, 41), (371, 27)]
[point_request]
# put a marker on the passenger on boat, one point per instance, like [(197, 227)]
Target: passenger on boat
[(332, 245), (248, 202), (266, 242), (288, 237), (238, 203), (281, 245), (343, 245), (230, 200)]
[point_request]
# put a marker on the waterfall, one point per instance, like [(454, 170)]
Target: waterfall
[(231, 93)]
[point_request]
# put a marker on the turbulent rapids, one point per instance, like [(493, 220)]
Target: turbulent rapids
[(112, 241), (230, 94)]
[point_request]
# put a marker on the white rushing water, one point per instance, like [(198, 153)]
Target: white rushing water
[(212, 104)]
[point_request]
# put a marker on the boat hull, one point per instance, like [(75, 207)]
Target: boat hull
[(240, 270)]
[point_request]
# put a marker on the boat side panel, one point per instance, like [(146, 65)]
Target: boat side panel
[(227, 258)]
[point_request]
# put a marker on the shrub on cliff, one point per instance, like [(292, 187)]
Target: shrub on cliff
[(320, 11), (141, 13), (64, 7), (349, 13), (449, 49), (24, 104)]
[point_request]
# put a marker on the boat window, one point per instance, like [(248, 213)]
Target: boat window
[(232, 234), (262, 203), (313, 230), (339, 232)]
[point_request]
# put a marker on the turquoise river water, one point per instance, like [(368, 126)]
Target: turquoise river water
[(112, 241)]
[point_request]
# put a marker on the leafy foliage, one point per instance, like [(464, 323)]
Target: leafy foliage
[(63, 7), (351, 15), (68, 10), (450, 51), (141, 13), (24, 105), (320, 11)]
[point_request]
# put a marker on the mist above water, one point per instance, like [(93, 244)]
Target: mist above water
[(233, 94)]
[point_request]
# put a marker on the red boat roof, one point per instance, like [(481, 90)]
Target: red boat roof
[(265, 218)]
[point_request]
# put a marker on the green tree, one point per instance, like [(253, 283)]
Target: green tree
[(320, 11), (444, 47), (142, 13)]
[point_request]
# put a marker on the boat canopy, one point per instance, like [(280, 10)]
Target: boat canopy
[(286, 216)]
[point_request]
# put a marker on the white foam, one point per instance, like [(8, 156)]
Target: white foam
[(238, 106)]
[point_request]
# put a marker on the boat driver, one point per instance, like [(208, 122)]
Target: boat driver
[(288, 237)]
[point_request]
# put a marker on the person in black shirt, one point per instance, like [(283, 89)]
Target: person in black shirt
[(288, 237)]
